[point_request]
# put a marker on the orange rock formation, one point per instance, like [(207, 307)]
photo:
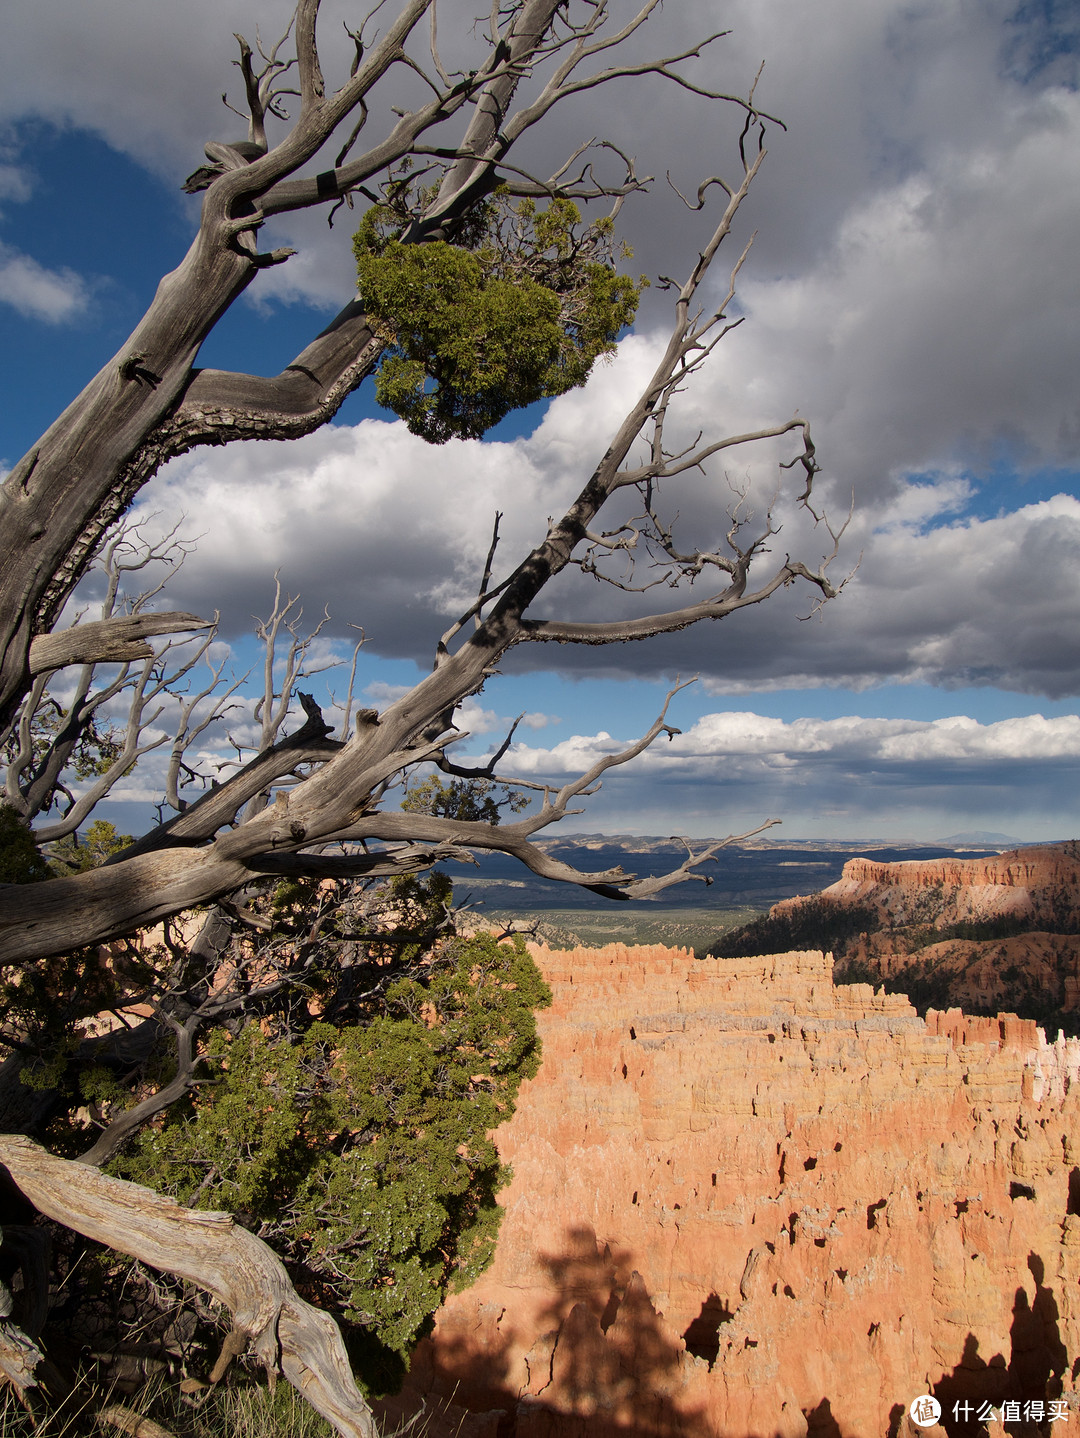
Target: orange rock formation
[(981, 974), (1037, 884), (1031, 897), (747, 1202)]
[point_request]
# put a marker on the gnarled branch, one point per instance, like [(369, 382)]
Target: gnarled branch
[(213, 1251), (120, 640)]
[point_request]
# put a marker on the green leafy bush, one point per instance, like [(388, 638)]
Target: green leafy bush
[(519, 312), (361, 1151)]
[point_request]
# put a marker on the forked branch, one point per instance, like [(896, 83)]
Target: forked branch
[(328, 792)]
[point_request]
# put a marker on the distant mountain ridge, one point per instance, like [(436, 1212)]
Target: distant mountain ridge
[(753, 874), (648, 843)]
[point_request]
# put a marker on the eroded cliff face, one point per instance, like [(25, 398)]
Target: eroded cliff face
[(1030, 972), (986, 934), (1038, 885), (746, 1201)]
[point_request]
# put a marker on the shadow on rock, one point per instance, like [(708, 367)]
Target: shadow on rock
[(1033, 1372), (603, 1365)]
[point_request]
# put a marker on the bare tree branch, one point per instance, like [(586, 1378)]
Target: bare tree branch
[(335, 789), (132, 1119), (207, 814), (211, 1250), (108, 641), (308, 805)]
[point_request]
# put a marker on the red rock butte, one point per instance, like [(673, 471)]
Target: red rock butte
[(1032, 895), (749, 1202), (1031, 883)]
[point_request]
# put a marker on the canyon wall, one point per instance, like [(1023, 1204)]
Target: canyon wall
[(1032, 972), (748, 1202), (985, 934), (1037, 885)]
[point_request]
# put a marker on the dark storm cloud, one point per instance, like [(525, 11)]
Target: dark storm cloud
[(913, 290)]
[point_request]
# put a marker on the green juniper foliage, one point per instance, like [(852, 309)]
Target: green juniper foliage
[(45, 1005), (79, 853), (20, 861), (354, 1059), (518, 311), (472, 800), (90, 747), (360, 1150)]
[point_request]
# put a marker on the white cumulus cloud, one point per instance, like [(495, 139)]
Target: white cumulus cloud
[(54, 296), (850, 777), (718, 743)]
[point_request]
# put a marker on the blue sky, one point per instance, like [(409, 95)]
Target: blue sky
[(913, 290)]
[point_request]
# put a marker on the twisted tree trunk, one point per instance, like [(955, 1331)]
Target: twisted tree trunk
[(211, 1250)]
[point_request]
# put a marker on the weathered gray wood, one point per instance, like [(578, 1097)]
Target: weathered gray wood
[(108, 641), (126, 1420), (19, 1356), (149, 404), (84, 471), (208, 1249)]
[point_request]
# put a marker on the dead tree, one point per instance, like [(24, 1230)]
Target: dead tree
[(149, 402), (66, 726), (202, 853), (312, 804)]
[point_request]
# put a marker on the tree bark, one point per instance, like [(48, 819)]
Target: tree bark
[(209, 1249), (119, 640)]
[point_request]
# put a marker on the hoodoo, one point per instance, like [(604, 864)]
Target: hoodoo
[(748, 1201)]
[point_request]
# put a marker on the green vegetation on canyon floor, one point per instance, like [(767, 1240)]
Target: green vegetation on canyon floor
[(692, 929)]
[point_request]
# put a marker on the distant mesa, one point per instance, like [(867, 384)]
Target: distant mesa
[(984, 836), (752, 875), (984, 934)]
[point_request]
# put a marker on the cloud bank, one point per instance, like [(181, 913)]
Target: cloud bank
[(393, 537), (841, 778), (912, 290)]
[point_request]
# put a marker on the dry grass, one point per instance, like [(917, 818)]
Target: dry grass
[(247, 1411), (159, 1410)]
